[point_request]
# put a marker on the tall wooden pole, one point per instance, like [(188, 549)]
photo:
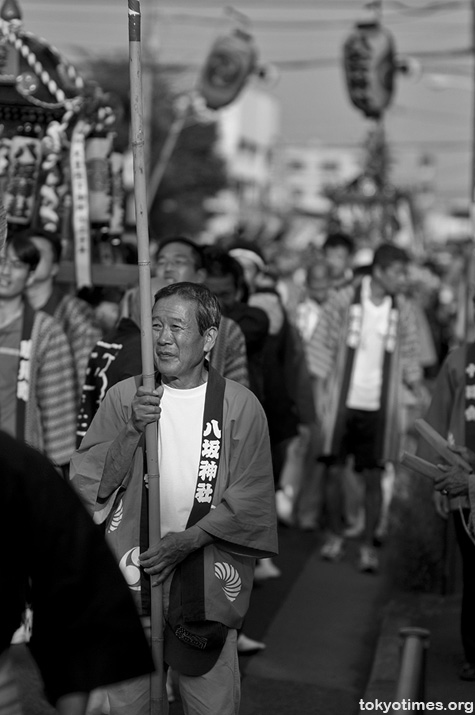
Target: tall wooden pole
[(468, 331), (148, 371)]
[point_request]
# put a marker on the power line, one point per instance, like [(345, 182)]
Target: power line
[(324, 62)]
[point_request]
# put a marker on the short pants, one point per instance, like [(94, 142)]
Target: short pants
[(361, 439)]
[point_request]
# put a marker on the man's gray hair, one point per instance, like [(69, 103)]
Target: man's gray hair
[(208, 311)]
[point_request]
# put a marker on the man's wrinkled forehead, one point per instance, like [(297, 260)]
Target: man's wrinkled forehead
[(174, 307)]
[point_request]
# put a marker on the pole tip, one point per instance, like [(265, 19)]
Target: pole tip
[(134, 20)]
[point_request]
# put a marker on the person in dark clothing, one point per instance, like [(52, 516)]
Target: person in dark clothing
[(105, 368), (86, 631), (286, 402), (225, 278)]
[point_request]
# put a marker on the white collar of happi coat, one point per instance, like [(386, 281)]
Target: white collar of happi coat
[(308, 313), (356, 318)]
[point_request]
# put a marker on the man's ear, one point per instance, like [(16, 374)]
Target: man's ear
[(31, 279), (376, 272), (210, 339), (200, 275)]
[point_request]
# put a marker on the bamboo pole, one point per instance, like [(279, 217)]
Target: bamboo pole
[(148, 372)]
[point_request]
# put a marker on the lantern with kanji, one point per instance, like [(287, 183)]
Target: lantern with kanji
[(370, 67), (230, 62)]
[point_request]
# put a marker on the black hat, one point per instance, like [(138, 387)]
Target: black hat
[(193, 648), (190, 647)]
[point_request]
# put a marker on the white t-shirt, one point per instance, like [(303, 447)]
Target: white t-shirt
[(180, 430), (308, 313), (365, 386)]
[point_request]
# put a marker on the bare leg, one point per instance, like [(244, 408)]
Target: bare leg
[(334, 498), (373, 503)]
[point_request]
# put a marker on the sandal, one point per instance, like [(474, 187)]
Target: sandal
[(467, 672)]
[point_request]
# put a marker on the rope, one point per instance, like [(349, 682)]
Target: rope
[(465, 525), (37, 66)]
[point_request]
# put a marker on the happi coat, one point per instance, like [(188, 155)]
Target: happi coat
[(77, 320), (46, 398), (452, 413), (242, 515), (329, 355)]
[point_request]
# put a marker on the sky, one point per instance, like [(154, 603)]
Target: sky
[(432, 110)]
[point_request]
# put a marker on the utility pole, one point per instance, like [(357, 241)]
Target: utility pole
[(377, 8), (467, 321)]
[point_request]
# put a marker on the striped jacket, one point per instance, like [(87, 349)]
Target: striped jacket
[(50, 414), (229, 355), (332, 329), (77, 320), (327, 354)]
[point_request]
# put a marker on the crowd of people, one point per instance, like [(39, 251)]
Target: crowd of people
[(274, 401)]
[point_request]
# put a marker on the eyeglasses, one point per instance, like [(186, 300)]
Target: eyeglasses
[(13, 263), (174, 262)]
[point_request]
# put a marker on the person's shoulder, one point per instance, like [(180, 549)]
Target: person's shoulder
[(227, 323), (126, 388), (48, 327), (459, 355), (79, 309), (342, 296), (256, 313), (238, 394), (12, 451), (78, 303), (230, 328), (250, 315), (44, 321), (20, 460)]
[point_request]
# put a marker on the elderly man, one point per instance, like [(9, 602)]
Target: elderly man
[(217, 499)]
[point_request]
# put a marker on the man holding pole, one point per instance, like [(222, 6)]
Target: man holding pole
[(216, 497)]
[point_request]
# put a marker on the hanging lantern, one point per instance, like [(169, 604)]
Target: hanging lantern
[(228, 66), (370, 66)]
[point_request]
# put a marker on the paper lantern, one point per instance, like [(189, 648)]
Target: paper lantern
[(370, 66), (229, 64)]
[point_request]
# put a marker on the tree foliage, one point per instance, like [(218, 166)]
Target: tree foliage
[(195, 171)]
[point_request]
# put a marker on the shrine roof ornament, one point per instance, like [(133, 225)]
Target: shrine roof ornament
[(32, 72)]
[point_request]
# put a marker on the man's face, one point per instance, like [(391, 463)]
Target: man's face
[(179, 349), (15, 275), (338, 260), (176, 264), (47, 267), (393, 278), (318, 284), (224, 289)]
